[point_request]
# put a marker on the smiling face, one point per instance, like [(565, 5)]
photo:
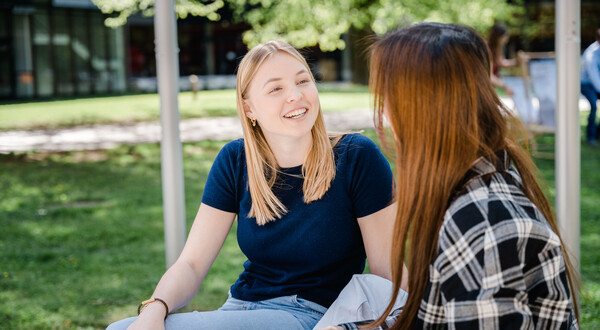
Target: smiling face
[(282, 98)]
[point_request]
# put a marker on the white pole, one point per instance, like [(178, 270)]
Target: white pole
[(167, 63), (568, 143)]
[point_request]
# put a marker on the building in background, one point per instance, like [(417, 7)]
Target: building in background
[(61, 48), (58, 48)]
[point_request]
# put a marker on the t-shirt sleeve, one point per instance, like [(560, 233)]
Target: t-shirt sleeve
[(371, 180), (220, 188)]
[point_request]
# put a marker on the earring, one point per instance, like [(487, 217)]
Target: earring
[(253, 122)]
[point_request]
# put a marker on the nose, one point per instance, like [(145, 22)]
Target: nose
[(294, 95)]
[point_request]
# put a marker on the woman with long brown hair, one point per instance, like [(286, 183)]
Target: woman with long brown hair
[(477, 233)]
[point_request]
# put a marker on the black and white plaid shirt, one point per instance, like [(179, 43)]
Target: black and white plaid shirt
[(499, 264)]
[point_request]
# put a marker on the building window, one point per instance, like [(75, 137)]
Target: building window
[(81, 52), (44, 73), (5, 55), (23, 56), (99, 56), (61, 41)]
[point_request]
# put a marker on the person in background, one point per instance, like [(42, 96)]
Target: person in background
[(497, 39), (590, 86), (310, 207), (480, 239)]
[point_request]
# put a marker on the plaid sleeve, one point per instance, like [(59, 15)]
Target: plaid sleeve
[(499, 265)]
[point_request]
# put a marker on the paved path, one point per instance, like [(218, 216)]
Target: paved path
[(109, 136), (219, 128)]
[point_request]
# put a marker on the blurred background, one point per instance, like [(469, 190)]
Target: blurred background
[(66, 48)]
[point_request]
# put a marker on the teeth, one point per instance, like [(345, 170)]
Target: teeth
[(296, 113)]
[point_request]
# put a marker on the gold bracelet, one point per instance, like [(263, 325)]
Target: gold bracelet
[(149, 301)]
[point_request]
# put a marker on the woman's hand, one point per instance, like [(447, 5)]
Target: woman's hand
[(151, 317)]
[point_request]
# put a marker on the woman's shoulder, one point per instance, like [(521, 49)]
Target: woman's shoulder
[(361, 157), (233, 147), (495, 202), (232, 151), (355, 142)]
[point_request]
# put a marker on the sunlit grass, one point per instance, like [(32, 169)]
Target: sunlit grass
[(81, 239)]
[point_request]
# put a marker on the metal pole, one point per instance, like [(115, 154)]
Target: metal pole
[(568, 143), (167, 63)]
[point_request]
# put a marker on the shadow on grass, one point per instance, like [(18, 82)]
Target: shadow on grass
[(82, 235), (81, 239)]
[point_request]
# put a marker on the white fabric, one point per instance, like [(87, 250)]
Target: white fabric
[(365, 297)]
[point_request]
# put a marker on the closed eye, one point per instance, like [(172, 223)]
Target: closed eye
[(276, 89), (303, 81)]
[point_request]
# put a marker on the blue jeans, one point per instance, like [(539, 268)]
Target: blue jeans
[(288, 312), (593, 130)]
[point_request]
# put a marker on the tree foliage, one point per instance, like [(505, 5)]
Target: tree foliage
[(183, 8), (306, 23)]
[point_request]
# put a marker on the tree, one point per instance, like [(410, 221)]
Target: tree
[(183, 8), (305, 23)]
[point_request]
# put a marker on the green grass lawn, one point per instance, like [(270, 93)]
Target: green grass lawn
[(81, 239), (82, 235), (145, 107)]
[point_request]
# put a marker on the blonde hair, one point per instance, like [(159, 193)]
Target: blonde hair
[(319, 168)]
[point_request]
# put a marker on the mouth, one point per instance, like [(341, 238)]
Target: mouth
[(296, 113)]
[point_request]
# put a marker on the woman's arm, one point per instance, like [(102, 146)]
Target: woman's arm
[(507, 63), (504, 62), (182, 280), (377, 231)]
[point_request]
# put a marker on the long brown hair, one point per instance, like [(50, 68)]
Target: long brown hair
[(433, 83), (318, 169)]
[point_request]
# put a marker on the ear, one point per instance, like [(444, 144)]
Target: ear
[(248, 110)]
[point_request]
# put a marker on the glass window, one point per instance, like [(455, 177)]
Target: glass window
[(98, 46), (44, 75), (116, 59), (23, 56), (5, 87), (5, 55), (4, 15), (62, 52), (192, 52), (81, 53), (228, 47), (141, 58)]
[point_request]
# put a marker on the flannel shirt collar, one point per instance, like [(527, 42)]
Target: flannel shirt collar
[(484, 166), (481, 167)]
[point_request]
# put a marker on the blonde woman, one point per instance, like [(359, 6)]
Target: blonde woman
[(310, 208)]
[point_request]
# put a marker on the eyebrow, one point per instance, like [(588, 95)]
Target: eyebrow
[(277, 79)]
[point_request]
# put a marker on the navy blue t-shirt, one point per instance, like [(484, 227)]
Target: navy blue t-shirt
[(314, 249)]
